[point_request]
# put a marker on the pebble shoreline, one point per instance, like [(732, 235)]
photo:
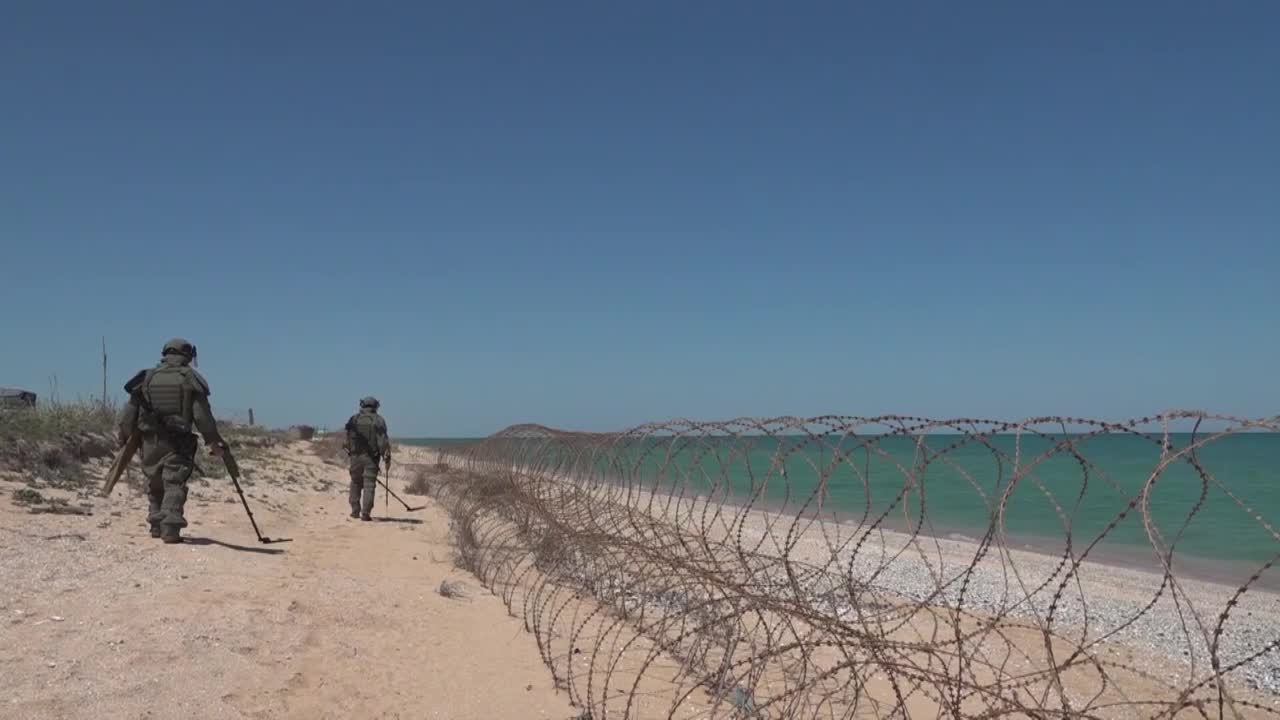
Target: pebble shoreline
[(1100, 601), (1120, 604)]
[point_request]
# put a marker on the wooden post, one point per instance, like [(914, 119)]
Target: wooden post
[(250, 416), (104, 371)]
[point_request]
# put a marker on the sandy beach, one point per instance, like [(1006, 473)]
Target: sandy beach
[(98, 620)]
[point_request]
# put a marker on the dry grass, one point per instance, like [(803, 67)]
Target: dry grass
[(455, 589), (329, 448), (419, 482), (48, 446), (54, 420), (59, 506), (56, 445), (27, 496), (37, 503)]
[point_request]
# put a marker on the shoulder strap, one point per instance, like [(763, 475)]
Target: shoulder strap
[(198, 380), (187, 390), (137, 386), (135, 381)]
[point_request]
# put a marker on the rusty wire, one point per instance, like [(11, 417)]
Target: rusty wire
[(683, 569)]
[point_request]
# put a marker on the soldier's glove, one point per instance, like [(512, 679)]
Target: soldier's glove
[(217, 449)]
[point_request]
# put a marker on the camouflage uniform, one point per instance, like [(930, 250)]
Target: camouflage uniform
[(165, 404), (367, 444)]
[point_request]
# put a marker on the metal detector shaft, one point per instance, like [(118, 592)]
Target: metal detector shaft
[(233, 469), (397, 497)]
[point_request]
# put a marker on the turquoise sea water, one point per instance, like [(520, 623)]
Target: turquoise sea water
[(948, 484)]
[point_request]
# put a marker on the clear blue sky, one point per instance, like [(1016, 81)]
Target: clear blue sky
[(595, 214)]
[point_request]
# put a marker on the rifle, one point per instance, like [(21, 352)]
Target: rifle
[(233, 469), (121, 462)]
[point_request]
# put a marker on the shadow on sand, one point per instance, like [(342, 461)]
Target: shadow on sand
[(238, 548), (406, 521)]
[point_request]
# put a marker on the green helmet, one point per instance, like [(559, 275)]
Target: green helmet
[(178, 346), (369, 402)]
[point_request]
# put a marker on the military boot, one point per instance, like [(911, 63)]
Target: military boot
[(171, 534), (365, 517), (155, 530)]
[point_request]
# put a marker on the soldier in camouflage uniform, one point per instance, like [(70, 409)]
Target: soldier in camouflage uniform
[(165, 404), (367, 443)]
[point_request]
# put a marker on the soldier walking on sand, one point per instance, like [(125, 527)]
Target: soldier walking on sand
[(367, 443), (166, 403)]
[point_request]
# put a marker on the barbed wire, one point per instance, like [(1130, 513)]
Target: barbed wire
[(812, 567)]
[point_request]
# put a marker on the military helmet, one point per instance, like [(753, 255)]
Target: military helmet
[(178, 346), (369, 402)]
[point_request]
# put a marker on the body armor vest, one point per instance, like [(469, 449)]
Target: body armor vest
[(362, 434), (166, 394)]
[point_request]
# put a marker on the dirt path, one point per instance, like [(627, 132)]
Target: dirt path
[(98, 620)]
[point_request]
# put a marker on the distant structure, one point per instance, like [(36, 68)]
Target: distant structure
[(303, 432), (12, 398)]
